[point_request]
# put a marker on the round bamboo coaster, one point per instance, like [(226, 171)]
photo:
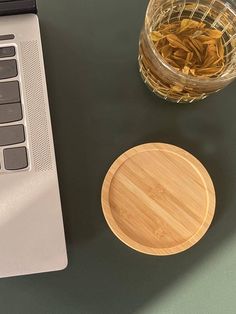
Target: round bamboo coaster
[(158, 199)]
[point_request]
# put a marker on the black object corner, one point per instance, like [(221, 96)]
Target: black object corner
[(13, 7)]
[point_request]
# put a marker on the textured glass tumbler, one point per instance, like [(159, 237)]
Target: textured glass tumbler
[(161, 76)]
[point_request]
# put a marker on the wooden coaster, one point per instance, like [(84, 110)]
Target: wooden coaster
[(158, 199)]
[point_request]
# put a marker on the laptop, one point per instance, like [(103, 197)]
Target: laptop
[(32, 236)]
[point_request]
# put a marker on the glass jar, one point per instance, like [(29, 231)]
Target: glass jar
[(165, 80)]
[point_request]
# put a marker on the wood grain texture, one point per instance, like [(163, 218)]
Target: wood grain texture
[(158, 199)]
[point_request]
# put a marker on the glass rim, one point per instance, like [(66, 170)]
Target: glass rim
[(190, 78)]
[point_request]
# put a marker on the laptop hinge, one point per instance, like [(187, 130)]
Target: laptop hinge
[(12, 7)]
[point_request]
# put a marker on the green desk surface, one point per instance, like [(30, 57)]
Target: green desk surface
[(100, 108)]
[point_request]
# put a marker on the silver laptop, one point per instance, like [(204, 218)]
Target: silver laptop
[(31, 226)]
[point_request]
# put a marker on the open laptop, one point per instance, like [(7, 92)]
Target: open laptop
[(31, 226)]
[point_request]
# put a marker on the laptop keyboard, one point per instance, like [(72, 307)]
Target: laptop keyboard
[(12, 131)]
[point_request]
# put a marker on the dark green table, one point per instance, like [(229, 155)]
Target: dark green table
[(100, 108)]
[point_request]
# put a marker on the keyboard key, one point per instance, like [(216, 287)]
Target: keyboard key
[(7, 52), (9, 92), (13, 134), (8, 69), (7, 37), (15, 158), (10, 113)]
